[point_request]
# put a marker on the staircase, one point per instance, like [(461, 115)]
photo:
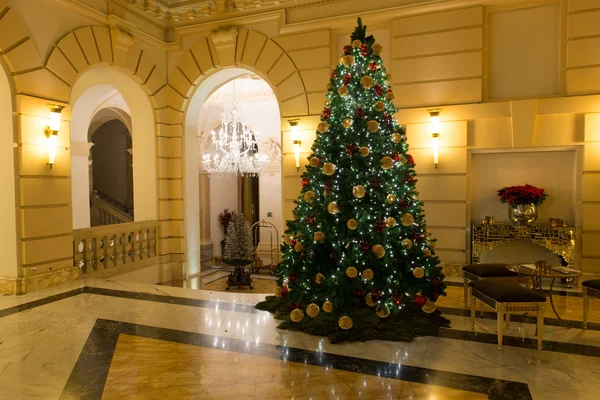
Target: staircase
[(107, 211)]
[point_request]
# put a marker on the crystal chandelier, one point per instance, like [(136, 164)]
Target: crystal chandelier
[(236, 148)]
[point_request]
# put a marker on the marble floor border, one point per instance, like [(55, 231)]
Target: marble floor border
[(88, 377), (467, 335)]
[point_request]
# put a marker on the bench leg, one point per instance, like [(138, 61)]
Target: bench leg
[(500, 329), (586, 307), (473, 309), (540, 326), (466, 290), (507, 320)]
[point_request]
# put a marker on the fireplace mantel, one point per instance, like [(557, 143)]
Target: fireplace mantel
[(561, 241)]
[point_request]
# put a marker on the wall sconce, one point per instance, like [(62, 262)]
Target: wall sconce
[(51, 132), (296, 140), (434, 121)]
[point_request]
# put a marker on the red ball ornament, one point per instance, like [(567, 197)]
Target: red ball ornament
[(294, 306), (435, 296), (351, 148), (418, 237), (364, 246), (379, 226), (326, 113), (293, 278), (347, 49), (411, 160), (292, 242), (310, 220), (364, 50), (347, 79), (387, 118), (360, 112), (373, 66), (378, 90), (397, 298), (420, 300), (304, 256), (410, 179), (329, 185), (376, 295), (435, 282), (395, 156), (403, 203), (284, 291), (359, 293), (305, 182), (333, 75), (375, 183)]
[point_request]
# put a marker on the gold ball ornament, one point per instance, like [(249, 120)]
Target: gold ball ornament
[(287, 238), (419, 272), (407, 243), (312, 310), (309, 196), (343, 91), (359, 191), (391, 198), (390, 222), (382, 311), (396, 138), (347, 123), (377, 49), (348, 60), (369, 300), (426, 253), (319, 237), (319, 278), (299, 247), (352, 224), (341, 60), (299, 234), (351, 272), (390, 96), (427, 233), (373, 126), (366, 82), (368, 274), (313, 162), (429, 307), (408, 219), (323, 127), (345, 322), (387, 163), (432, 245), (356, 44), (329, 86), (380, 106), (403, 160), (297, 315), (388, 76), (333, 208), (327, 102), (329, 169), (327, 306), (277, 291), (364, 151), (378, 250)]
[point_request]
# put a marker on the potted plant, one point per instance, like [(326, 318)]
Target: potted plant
[(239, 251), (523, 203), (224, 219)]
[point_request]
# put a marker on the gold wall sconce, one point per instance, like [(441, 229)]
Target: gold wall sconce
[(434, 122), (296, 140), (51, 132)]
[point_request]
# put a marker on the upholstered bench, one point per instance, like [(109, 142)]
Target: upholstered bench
[(507, 298), (475, 272), (590, 289)]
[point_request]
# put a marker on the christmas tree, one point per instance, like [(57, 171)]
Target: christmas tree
[(238, 242), (359, 238)]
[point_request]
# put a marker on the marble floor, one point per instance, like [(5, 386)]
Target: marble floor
[(105, 339)]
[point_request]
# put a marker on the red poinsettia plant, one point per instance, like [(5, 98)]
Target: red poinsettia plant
[(519, 195), (225, 218)]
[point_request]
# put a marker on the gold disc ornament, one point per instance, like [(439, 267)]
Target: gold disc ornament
[(432, 245), (329, 86), (309, 196), (299, 247), (329, 169), (351, 272), (356, 44), (348, 60), (377, 49), (359, 191), (378, 250), (313, 162), (312, 310), (277, 291), (387, 163), (297, 315), (352, 224), (368, 274), (380, 106), (426, 253), (390, 222), (407, 243), (343, 91), (396, 137), (390, 96), (382, 311), (428, 307), (319, 237), (345, 322), (287, 238), (403, 160), (373, 126), (347, 123), (369, 300), (408, 219), (419, 272), (333, 208), (327, 306), (319, 278), (366, 82), (391, 198), (364, 151), (323, 127)]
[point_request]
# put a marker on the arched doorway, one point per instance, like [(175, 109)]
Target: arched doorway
[(214, 95)]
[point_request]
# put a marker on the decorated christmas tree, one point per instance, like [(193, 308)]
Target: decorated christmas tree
[(238, 242), (358, 241)]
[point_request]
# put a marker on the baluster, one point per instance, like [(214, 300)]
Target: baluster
[(78, 255), (88, 255), (100, 252), (110, 256), (152, 242), (128, 247), (119, 249)]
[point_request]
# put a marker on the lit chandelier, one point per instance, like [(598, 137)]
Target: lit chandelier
[(236, 148)]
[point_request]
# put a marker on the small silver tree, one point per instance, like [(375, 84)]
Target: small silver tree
[(238, 242)]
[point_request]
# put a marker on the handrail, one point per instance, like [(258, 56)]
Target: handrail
[(109, 246), (106, 214)]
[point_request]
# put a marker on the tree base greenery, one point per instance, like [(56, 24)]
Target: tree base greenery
[(402, 326)]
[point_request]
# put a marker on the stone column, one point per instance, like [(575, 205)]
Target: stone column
[(206, 244)]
